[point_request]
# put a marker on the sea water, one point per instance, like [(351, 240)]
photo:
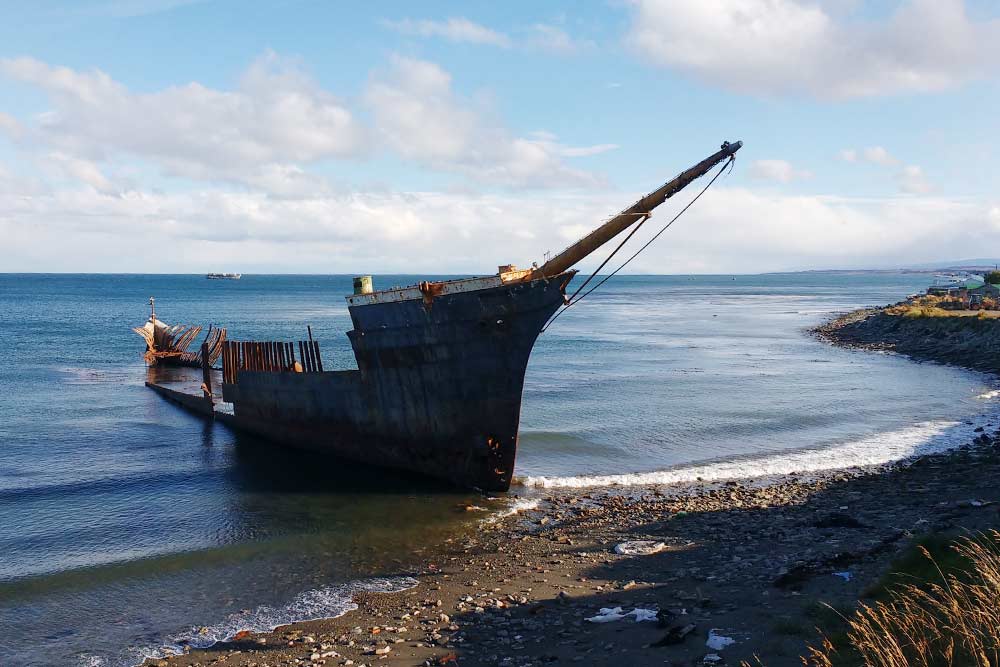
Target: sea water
[(127, 525)]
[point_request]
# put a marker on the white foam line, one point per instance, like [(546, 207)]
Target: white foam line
[(518, 506), (326, 602), (919, 439)]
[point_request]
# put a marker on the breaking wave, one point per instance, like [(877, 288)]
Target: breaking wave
[(325, 602), (888, 447), (516, 507)]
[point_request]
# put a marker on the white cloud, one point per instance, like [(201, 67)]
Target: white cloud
[(277, 116), (780, 171), (737, 230), (10, 126), (994, 217), (554, 39), (913, 181), (81, 171), (266, 133), (910, 178), (453, 29), (419, 115), (583, 151), (728, 230), (873, 154), (880, 156), (130, 8), (540, 36), (769, 47), (16, 186)]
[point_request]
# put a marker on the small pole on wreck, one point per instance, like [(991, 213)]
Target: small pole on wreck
[(152, 318), (206, 374), (310, 329)]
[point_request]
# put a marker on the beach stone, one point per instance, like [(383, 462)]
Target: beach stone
[(639, 547)]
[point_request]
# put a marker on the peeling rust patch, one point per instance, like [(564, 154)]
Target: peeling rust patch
[(429, 291)]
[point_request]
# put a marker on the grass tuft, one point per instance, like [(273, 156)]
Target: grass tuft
[(940, 608)]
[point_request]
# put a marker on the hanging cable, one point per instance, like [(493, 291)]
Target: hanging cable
[(573, 301), (645, 217)]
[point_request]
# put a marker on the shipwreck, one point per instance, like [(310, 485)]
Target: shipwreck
[(440, 365), (168, 345)]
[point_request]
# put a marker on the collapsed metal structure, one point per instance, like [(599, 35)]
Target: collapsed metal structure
[(168, 345)]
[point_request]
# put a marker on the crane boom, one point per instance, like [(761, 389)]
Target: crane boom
[(637, 211)]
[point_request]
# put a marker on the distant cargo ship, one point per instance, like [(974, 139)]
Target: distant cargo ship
[(224, 276)]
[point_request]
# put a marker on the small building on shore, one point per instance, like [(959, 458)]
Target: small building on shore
[(971, 291)]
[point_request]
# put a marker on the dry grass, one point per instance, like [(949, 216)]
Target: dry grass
[(926, 306), (952, 619)]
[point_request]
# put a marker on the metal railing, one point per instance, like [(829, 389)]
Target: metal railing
[(269, 357)]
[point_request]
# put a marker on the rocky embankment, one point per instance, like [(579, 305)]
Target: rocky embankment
[(961, 339)]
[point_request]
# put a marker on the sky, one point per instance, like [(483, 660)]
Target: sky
[(295, 136)]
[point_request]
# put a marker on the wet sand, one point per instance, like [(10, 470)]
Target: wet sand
[(746, 568)]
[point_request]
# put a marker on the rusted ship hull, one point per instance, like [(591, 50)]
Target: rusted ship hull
[(437, 390), (440, 364)]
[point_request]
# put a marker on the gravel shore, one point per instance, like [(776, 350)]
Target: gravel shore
[(724, 572)]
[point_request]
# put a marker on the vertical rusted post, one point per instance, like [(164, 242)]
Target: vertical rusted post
[(206, 372), (310, 330), (302, 356), (319, 360)]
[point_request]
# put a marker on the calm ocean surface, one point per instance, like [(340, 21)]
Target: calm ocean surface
[(127, 525)]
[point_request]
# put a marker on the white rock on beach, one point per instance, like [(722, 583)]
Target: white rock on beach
[(609, 614), (717, 642), (640, 548)]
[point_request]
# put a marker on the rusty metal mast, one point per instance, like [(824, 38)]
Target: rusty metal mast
[(633, 214)]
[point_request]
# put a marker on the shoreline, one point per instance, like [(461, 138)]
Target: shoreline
[(742, 568)]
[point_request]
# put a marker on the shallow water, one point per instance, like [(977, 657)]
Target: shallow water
[(124, 521)]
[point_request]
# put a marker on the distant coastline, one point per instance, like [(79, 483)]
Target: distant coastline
[(968, 341)]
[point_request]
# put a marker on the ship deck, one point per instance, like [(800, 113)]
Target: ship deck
[(182, 386)]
